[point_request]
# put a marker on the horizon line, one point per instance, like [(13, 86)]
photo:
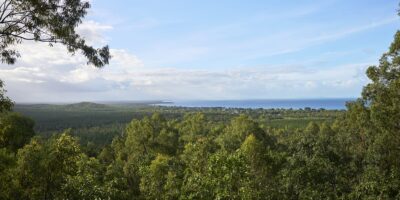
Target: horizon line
[(181, 100)]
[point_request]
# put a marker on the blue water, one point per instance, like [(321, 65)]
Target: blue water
[(329, 104)]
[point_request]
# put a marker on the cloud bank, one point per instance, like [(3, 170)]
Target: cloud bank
[(46, 74)]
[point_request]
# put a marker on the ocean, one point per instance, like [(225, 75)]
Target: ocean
[(328, 104)]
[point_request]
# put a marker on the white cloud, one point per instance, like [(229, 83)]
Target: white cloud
[(51, 74), (121, 83), (80, 75), (92, 32), (124, 59)]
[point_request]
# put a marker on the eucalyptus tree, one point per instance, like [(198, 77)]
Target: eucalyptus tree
[(49, 21), (45, 21), (15, 131), (5, 102), (380, 110)]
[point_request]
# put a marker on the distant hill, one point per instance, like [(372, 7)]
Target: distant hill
[(122, 106), (86, 106), (74, 107)]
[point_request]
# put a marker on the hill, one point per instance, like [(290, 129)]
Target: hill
[(86, 106)]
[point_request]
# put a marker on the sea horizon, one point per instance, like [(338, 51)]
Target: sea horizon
[(315, 103), (300, 103)]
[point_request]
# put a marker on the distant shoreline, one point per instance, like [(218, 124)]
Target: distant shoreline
[(324, 103), (329, 104)]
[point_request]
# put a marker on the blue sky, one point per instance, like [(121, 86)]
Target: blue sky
[(226, 34), (225, 49)]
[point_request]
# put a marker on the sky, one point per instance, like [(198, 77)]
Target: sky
[(212, 50)]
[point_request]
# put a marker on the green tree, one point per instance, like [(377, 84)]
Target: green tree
[(379, 110), (150, 136), (238, 130), (260, 170), (122, 174), (157, 179), (50, 21), (316, 165), (87, 183), (5, 102), (106, 155), (144, 139), (47, 21), (44, 167), (195, 159), (8, 185), (15, 131), (118, 184), (225, 175), (192, 127)]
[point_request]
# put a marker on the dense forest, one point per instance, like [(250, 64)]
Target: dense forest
[(153, 152), (97, 124)]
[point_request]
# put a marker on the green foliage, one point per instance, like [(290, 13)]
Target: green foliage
[(142, 136), (237, 132), (15, 131), (5, 103), (316, 166), (194, 156), (84, 117), (8, 186), (378, 111), (193, 127), (195, 159), (153, 184), (87, 183), (44, 167), (224, 176), (51, 21), (260, 170)]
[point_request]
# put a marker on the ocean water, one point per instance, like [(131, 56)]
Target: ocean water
[(328, 104)]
